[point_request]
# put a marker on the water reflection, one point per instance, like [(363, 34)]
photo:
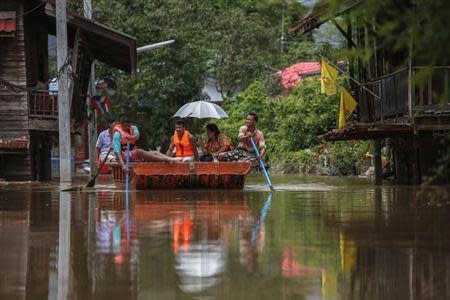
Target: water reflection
[(343, 243)]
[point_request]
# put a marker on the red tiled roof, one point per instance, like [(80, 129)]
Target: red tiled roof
[(7, 25), (293, 74), (14, 143)]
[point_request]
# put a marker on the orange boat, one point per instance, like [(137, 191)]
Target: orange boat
[(164, 175)]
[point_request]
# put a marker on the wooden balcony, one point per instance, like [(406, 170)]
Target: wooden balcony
[(405, 97), (43, 111)]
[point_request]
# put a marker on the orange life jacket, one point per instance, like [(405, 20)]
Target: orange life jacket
[(183, 147), (123, 138)]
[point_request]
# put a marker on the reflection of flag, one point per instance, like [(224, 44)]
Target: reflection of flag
[(346, 107), (102, 104), (348, 254), (328, 79)]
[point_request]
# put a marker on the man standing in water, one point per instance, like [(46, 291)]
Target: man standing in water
[(245, 151), (125, 132), (183, 143)]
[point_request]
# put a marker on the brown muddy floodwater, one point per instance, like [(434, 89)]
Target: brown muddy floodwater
[(314, 238)]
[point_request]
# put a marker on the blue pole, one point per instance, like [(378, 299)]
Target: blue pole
[(127, 162), (261, 163), (127, 179)]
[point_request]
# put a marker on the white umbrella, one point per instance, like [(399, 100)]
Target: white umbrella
[(201, 110)]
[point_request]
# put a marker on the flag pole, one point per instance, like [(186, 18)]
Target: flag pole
[(356, 81)]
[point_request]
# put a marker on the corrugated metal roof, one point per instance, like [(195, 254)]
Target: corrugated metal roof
[(107, 45), (7, 25), (14, 143), (322, 11)]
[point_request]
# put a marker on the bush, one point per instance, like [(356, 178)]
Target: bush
[(291, 126)]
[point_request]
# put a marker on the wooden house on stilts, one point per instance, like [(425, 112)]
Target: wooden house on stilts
[(411, 116), (28, 110)]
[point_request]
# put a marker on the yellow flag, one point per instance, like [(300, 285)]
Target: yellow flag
[(346, 107), (328, 79)]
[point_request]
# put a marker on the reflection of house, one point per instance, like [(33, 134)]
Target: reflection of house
[(28, 111), (409, 117)]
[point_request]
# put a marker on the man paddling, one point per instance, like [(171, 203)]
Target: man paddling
[(245, 151), (126, 132), (183, 143), (104, 143)]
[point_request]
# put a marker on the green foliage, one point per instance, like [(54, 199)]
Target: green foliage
[(349, 158), (303, 115), (291, 126), (240, 46), (401, 25), (226, 43), (254, 99)]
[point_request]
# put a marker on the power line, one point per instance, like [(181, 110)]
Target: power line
[(31, 10), (18, 89)]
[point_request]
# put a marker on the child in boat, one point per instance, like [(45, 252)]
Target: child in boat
[(217, 143), (125, 132), (245, 151), (184, 144)]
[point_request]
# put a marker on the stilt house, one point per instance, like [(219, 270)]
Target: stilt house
[(411, 116), (28, 110)]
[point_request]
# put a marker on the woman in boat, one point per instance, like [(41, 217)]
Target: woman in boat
[(217, 143)]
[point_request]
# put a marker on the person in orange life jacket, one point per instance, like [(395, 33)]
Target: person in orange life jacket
[(125, 132), (245, 151), (184, 144)]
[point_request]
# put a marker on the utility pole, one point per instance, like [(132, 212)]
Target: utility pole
[(63, 92), (92, 122), (282, 26)]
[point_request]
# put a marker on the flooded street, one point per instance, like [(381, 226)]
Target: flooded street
[(314, 238)]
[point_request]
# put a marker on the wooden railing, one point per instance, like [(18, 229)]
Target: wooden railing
[(42, 105), (403, 94)]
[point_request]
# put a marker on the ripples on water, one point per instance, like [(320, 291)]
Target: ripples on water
[(314, 238)]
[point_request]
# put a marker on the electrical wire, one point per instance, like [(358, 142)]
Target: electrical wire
[(31, 10), (19, 89)]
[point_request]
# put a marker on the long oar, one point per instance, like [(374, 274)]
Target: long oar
[(127, 178), (261, 163), (92, 182)]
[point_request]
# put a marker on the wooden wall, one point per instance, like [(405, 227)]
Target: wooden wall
[(36, 44), (14, 105)]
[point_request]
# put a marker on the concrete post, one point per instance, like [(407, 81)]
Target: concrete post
[(63, 92), (92, 125)]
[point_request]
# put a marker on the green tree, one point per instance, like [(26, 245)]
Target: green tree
[(254, 99), (240, 49), (303, 115)]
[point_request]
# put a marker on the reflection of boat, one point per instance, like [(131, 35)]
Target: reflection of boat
[(199, 227), (162, 175), (205, 205)]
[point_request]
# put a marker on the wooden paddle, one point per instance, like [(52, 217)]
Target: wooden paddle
[(92, 182)]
